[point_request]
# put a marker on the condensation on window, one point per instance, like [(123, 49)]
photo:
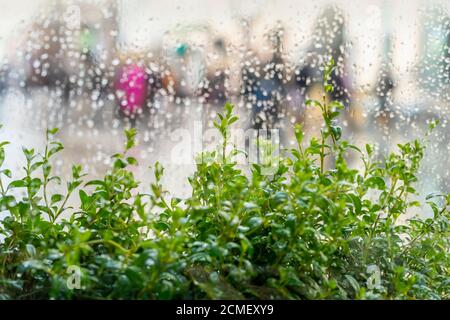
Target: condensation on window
[(93, 68)]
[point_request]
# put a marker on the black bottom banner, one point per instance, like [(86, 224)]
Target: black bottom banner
[(205, 309)]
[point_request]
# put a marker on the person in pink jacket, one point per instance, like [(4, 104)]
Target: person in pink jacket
[(131, 89)]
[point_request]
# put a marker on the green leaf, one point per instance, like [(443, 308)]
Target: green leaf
[(131, 138), (298, 130), (134, 274), (31, 250), (337, 104), (161, 226), (2, 156), (132, 161), (29, 153), (17, 184), (375, 182), (228, 108), (57, 148), (232, 120), (56, 179), (310, 102), (356, 201), (353, 282), (76, 171), (119, 164), (337, 132), (369, 149), (159, 171), (73, 185), (4, 143), (46, 169), (14, 284), (52, 131), (31, 264), (35, 165), (254, 222), (95, 183), (434, 195), (56, 198), (84, 198), (6, 172)]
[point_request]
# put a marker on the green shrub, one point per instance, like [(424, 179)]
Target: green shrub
[(303, 232)]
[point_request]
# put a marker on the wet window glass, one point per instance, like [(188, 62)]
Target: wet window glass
[(224, 149)]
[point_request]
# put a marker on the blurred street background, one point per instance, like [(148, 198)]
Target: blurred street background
[(93, 68)]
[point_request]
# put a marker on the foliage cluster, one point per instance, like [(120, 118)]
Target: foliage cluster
[(307, 231)]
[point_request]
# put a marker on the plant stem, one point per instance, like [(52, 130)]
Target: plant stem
[(60, 210), (2, 188), (322, 155), (374, 226)]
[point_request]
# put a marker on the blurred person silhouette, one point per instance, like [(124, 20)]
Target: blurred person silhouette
[(434, 65), (328, 41), (45, 64), (385, 85), (158, 87), (177, 77), (131, 88), (94, 44), (140, 80), (444, 58), (213, 89), (95, 68), (263, 86), (156, 81), (4, 79), (168, 80), (446, 49), (263, 89)]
